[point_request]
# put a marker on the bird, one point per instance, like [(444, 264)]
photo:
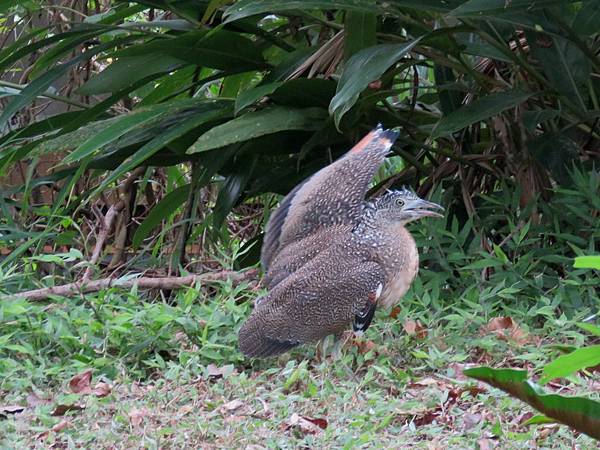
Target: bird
[(331, 257)]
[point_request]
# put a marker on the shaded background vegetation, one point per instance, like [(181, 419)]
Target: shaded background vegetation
[(190, 118)]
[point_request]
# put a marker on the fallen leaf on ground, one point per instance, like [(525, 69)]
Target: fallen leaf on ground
[(395, 311), (33, 400), (426, 381), (61, 426), (415, 328), (56, 428), (61, 410), (232, 405), (215, 372), (486, 444), (136, 416), (505, 328), (305, 424), (11, 409), (102, 389), (80, 383)]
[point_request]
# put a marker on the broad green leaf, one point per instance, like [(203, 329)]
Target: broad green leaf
[(360, 70), (480, 109), (259, 123), (580, 413), (218, 49), (251, 96), (40, 84), (245, 8), (565, 66), (212, 110), (593, 329), (111, 133), (126, 71), (6, 4), (167, 206), (493, 7), (359, 31), (587, 21), (570, 363), (232, 189), (587, 262)]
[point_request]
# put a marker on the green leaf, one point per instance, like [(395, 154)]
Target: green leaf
[(570, 363), (259, 123), (579, 413), (167, 206), (6, 4), (360, 70), (40, 84), (359, 31), (593, 329), (587, 21), (587, 262), (126, 71), (218, 49), (111, 133), (480, 109), (246, 8), (485, 8), (211, 110), (565, 66), (251, 96)]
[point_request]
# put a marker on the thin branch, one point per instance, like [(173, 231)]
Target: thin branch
[(105, 227), (83, 287)]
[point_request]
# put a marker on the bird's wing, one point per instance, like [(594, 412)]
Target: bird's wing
[(333, 195), (307, 308)]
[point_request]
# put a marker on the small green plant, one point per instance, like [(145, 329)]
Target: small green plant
[(582, 414)]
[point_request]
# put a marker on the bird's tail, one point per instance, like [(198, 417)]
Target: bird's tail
[(255, 343)]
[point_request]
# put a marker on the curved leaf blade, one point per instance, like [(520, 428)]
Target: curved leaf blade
[(579, 413), (361, 69), (570, 363), (247, 8), (259, 123), (481, 109)]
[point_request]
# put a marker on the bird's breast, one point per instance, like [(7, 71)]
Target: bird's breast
[(402, 266)]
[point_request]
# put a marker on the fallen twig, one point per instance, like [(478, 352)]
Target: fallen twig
[(143, 282)]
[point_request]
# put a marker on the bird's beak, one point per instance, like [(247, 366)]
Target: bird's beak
[(423, 208)]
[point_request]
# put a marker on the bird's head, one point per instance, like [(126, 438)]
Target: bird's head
[(403, 206)]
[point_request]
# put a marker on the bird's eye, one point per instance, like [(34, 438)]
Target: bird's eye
[(399, 202)]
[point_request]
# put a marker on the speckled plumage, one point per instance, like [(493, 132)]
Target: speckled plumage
[(330, 256)]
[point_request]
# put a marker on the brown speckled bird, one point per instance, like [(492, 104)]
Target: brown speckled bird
[(331, 257)]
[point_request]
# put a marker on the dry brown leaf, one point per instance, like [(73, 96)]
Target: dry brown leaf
[(80, 383), (232, 405), (61, 410), (426, 381), (102, 389), (505, 328), (56, 428), (61, 426), (136, 416), (33, 400), (395, 311), (415, 328), (215, 372), (486, 444), (307, 425)]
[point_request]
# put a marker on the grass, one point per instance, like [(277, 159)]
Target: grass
[(178, 381)]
